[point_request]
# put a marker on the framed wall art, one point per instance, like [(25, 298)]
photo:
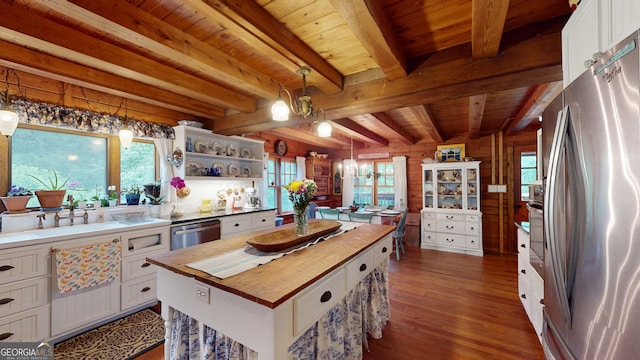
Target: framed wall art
[(452, 152)]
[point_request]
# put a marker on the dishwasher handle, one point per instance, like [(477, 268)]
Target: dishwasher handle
[(196, 229)]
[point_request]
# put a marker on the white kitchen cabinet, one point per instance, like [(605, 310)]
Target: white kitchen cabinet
[(24, 294), (530, 285), (243, 223), (234, 156), (594, 27), (451, 217)]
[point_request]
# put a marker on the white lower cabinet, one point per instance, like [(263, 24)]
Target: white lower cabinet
[(26, 326), (233, 225), (460, 232), (530, 285)]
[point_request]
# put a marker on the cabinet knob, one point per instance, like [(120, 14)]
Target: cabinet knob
[(524, 296), (145, 289), (384, 249), (6, 267), (6, 301), (449, 240), (472, 228), (523, 271), (326, 296), (449, 217), (541, 301), (363, 267), (450, 227), (523, 246), (145, 265)]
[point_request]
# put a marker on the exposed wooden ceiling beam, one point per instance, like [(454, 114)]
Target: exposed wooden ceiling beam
[(476, 112), (534, 106), (21, 58), (427, 120), (63, 42), (533, 61), (368, 22), (364, 132), (306, 133), (394, 127), (129, 23), (487, 24), (258, 22)]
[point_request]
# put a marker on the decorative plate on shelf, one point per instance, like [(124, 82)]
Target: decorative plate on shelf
[(192, 167), (233, 170), (219, 149), (245, 153), (221, 170), (201, 146), (232, 150), (246, 171)]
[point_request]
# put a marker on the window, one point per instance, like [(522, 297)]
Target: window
[(80, 157), (137, 165), (280, 172), (528, 173), (375, 187)]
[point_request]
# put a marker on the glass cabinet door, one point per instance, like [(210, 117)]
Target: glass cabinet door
[(427, 180), (472, 189), (449, 187)]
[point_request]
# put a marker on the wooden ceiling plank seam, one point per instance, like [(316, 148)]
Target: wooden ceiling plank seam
[(476, 112), (57, 40), (258, 22), (367, 21), (425, 118), (139, 28), (488, 19), (393, 126), (20, 58)]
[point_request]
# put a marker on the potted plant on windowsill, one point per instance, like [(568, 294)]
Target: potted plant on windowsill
[(152, 192), (132, 194), (16, 199), (52, 196)]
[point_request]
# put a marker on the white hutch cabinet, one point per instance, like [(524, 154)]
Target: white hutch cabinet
[(451, 217)]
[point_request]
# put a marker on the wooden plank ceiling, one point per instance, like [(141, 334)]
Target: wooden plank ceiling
[(384, 72)]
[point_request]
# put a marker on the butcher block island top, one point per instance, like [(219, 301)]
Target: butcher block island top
[(273, 283)]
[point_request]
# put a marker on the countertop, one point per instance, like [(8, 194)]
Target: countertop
[(524, 225), (35, 237), (273, 283), (198, 216)]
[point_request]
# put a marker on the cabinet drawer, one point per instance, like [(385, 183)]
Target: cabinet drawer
[(263, 220), (359, 267), (23, 295), (429, 237), (235, 224), (137, 266), (473, 242), (452, 240), (145, 241), (27, 326), (450, 217), (382, 250), (454, 227), (429, 225), (315, 301), (472, 218), (428, 216), (472, 228), (139, 291), (23, 264)]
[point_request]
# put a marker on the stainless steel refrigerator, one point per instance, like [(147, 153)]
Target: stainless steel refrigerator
[(592, 214)]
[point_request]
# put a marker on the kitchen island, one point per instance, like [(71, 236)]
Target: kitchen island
[(270, 307)]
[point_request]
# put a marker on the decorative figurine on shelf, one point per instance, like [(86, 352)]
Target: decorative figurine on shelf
[(189, 145)]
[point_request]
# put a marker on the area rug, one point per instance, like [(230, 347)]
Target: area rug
[(118, 340)]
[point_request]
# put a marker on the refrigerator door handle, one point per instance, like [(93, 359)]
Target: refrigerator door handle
[(550, 233)]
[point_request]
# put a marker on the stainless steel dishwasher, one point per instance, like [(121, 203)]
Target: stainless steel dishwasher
[(195, 232)]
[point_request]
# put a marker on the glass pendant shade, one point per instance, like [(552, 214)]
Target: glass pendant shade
[(280, 110), (324, 129), (126, 137), (8, 120)]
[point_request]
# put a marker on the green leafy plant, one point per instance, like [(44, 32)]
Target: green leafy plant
[(133, 190), (53, 182)]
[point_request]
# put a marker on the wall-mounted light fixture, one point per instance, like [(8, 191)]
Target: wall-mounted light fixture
[(302, 105), (8, 116), (125, 134)]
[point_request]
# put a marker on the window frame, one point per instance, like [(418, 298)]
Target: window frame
[(279, 183), (368, 169)]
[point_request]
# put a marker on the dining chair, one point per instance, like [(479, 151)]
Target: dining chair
[(398, 233), (360, 217), (329, 213), (312, 210)]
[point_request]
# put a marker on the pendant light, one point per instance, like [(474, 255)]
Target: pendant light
[(8, 117), (125, 134)]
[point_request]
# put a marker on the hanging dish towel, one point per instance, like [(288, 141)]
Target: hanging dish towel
[(87, 266)]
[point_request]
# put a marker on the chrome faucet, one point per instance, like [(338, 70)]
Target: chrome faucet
[(71, 216)]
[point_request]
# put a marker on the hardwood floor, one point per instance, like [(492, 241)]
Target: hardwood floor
[(450, 306)]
